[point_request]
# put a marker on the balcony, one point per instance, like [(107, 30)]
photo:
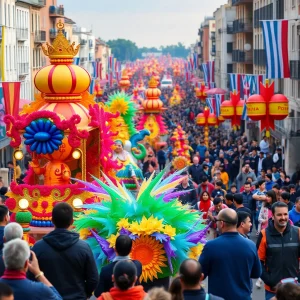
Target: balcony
[(239, 56), (56, 11), (83, 42), (213, 36), (239, 2), (23, 69), (295, 70), (242, 25), (40, 36), (260, 57), (230, 28), (42, 2), (22, 34), (289, 127), (263, 13)]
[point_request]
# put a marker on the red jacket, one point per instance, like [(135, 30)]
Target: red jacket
[(136, 293), (208, 187)]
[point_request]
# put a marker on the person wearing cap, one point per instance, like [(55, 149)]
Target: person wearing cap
[(277, 157), (124, 278)]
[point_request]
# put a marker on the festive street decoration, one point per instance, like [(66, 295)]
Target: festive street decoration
[(267, 107), (124, 83), (181, 149), (206, 119), (201, 92), (152, 108), (164, 232), (233, 109)]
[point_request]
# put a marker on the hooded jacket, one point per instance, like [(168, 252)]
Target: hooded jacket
[(68, 263), (279, 254), (136, 293)]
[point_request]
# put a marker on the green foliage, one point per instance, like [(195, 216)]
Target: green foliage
[(126, 50)]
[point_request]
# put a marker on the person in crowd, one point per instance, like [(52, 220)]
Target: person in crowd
[(242, 177), (267, 163), (67, 261), (206, 185), (205, 172), (229, 201), (278, 249), (224, 176), (158, 294), (244, 224), (12, 231), (237, 269), (4, 219), (264, 145), (239, 204), (16, 254), (124, 278), (277, 158), (190, 196), (122, 250), (276, 189), (293, 192), (161, 158), (233, 189), (191, 276), (281, 179), (294, 214), (262, 176), (269, 182), (275, 174), (201, 149), (259, 162), (247, 196), (195, 170), (216, 167), (6, 293), (150, 169), (204, 204), (265, 213), (175, 289), (218, 191), (285, 197), (287, 291)]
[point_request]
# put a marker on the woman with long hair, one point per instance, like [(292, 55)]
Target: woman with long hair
[(204, 204), (266, 210)]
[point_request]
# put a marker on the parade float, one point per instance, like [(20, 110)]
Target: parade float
[(164, 233), (67, 134), (181, 149), (175, 99), (152, 120)]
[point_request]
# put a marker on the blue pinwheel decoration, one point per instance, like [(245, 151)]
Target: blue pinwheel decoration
[(43, 136)]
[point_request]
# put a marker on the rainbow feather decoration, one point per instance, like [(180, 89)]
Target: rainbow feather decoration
[(164, 233)]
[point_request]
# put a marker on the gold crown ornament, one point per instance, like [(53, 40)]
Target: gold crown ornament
[(60, 52)]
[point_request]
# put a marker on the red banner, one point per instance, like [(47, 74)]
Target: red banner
[(11, 95)]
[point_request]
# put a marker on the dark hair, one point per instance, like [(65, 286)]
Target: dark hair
[(242, 216), (152, 163), (260, 182), (62, 215), (278, 204), (297, 200), (276, 186), (188, 277), (3, 212), (219, 183), (5, 290), (247, 183), (288, 291), (249, 177), (229, 197), (217, 200), (291, 186), (10, 163), (285, 188), (175, 289), (124, 274), (285, 196), (233, 185), (204, 179), (238, 198), (272, 194), (123, 245)]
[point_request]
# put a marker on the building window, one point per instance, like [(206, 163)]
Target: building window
[(298, 89)]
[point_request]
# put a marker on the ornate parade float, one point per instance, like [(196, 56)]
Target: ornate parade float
[(68, 136)]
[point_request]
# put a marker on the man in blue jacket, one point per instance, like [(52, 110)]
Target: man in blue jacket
[(67, 261), (230, 269)]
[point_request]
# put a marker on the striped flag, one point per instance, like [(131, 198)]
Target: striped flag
[(276, 46), (211, 71), (205, 72), (11, 95), (257, 79), (195, 56), (209, 103), (211, 85), (92, 86), (97, 69), (235, 82), (76, 61), (219, 98)]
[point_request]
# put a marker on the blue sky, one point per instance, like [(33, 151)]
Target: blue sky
[(148, 23)]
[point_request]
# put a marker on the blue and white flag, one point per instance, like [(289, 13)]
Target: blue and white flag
[(76, 61), (235, 82), (209, 103)]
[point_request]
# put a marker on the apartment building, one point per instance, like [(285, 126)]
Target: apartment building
[(242, 54), (102, 52), (224, 17)]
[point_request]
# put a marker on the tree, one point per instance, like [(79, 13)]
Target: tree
[(123, 50)]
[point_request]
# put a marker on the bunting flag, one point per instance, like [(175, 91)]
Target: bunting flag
[(211, 85), (97, 69), (205, 72), (76, 61), (92, 86), (211, 71), (110, 62), (276, 46), (235, 82), (219, 98), (11, 95), (195, 56), (209, 103), (257, 79)]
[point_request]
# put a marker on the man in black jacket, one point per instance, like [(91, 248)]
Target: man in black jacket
[(190, 196), (67, 261), (195, 170), (122, 250)]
